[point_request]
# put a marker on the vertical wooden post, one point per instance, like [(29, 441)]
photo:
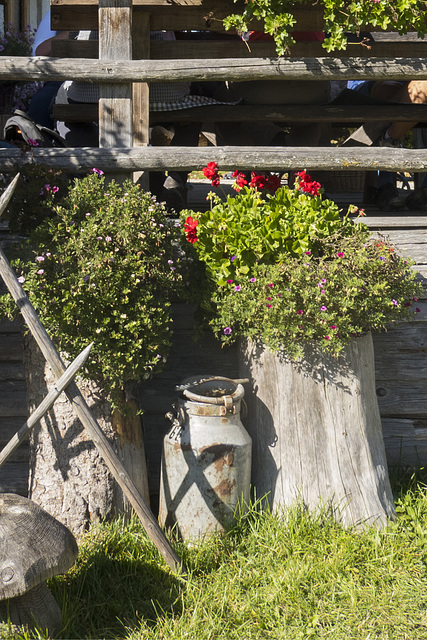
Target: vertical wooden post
[(140, 91), (115, 100)]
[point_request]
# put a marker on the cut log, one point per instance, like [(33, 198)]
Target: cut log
[(316, 432)]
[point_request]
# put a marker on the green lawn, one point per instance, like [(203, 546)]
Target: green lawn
[(267, 578)]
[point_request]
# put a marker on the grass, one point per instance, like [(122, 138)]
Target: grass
[(267, 578)]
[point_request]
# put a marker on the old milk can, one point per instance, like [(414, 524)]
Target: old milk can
[(206, 461)]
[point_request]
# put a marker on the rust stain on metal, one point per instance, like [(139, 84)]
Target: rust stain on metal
[(225, 487)]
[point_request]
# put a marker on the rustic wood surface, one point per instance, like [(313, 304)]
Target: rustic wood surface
[(236, 48), (227, 69), (228, 158), (316, 432), (277, 113)]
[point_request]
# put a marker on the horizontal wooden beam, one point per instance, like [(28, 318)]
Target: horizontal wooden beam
[(228, 158), (354, 114), (230, 48), (231, 69), (175, 16)]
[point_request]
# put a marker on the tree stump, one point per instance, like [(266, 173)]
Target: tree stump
[(316, 432), (68, 477)]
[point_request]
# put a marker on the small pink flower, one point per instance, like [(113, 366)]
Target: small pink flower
[(108, 238), (40, 272), (269, 306), (300, 312), (340, 254), (229, 282), (323, 308), (40, 259), (21, 279), (227, 331), (333, 326), (237, 287)]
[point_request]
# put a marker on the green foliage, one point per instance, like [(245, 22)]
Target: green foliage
[(103, 269), (32, 199), (340, 16), (288, 270)]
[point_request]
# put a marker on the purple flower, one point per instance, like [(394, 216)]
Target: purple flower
[(227, 331), (394, 302), (98, 171), (108, 238), (308, 253), (86, 278), (99, 237), (229, 282), (40, 259), (40, 272), (382, 258), (269, 306), (237, 287), (232, 259), (252, 280), (340, 254), (300, 312), (21, 279), (323, 308), (33, 143)]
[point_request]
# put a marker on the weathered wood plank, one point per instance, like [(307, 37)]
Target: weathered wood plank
[(404, 444), (10, 347), (228, 158), (401, 399), (10, 326), (14, 478), (11, 371), (197, 70), (231, 48), (13, 401), (276, 113)]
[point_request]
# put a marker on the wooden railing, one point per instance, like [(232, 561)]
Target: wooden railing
[(128, 61)]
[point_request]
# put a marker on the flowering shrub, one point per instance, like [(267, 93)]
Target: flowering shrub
[(103, 269), (287, 268), (340, 16), (15, 42)]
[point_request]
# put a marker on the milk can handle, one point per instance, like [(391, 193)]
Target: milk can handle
[(227, 399)]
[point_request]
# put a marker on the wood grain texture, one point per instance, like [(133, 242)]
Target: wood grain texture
[(316, 432), (197, 70)]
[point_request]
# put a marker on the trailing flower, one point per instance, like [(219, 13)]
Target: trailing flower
[(287, 268), (103, 268)]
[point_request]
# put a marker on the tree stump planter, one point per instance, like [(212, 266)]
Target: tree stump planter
[(68, 477), (316, 432)]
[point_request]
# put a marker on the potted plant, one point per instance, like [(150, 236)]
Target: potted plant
[(340, 18), (302, 286), (103, 268), (14, 42)]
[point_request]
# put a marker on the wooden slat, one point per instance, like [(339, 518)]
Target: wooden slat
[(271, 113), (10, 347), (14, 478), (226, 69), (11, 370), (13, 399), (404, 444), (228, 158), (236, 48)]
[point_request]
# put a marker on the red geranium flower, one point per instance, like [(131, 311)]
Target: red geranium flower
[(190, 227), (257, 181), (240, 179), (211, 173), (306, 184)]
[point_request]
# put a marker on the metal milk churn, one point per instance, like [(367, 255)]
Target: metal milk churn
[(206, 461)]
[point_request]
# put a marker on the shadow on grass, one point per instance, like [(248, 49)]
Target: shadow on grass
[(105, 597), (405, 479)]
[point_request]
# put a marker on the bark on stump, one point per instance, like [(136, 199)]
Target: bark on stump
[(316, 432), (68, 477)]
